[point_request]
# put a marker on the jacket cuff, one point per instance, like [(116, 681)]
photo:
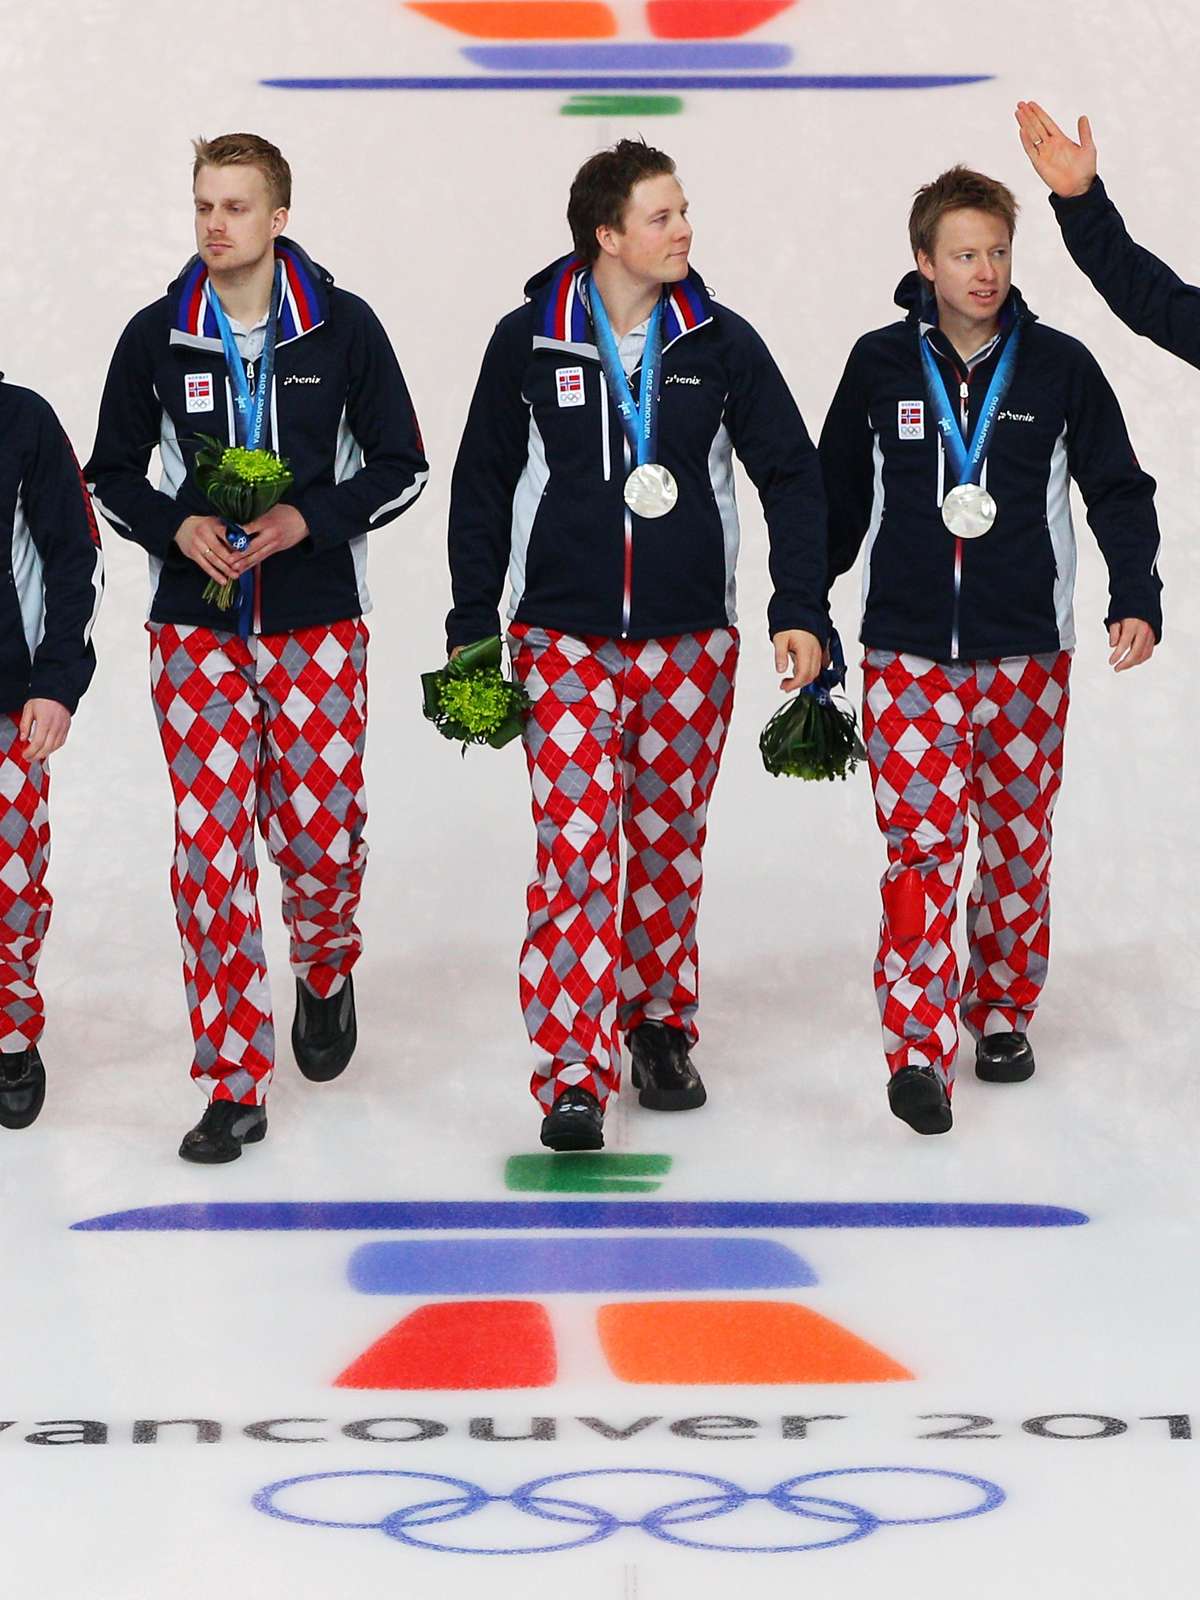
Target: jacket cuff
[(321, 529), (1145, 607), (1076, 205), (783, 618), (52, 686), (469, 628), (159, 538)]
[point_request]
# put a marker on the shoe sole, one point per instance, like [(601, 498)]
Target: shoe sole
[(578, 1139), (1005, 1071), (666, 1099), (255, 1136), (565, 1143), (921, 1106)]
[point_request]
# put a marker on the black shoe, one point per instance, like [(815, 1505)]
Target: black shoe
[(22, 1087), (1004, 1058), (324, 1032), (574, 1122), (662, 1070), (918, 1096), (222, 1131)]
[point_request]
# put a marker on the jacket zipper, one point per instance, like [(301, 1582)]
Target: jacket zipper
[(964, 394), (606, 454), (256, 617), (606, 460)]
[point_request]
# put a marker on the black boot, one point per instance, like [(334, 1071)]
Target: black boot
[(1004, 1058), (324, 1032), (574, 1122), (222, 1131), (662, 1070), (918, 1096), (22, 1087)]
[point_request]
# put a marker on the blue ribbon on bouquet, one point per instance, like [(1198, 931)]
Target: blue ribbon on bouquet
[(830, 678)]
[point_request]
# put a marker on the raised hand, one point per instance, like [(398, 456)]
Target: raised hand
[(1064, 166)]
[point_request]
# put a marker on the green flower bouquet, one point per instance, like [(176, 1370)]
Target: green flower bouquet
[(240, 485), (812, 736), (471, 700)]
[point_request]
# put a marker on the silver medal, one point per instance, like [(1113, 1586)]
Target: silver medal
[(968, 511), (650, 490)]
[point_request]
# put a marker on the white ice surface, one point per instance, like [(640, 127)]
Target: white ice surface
[(437, 208)]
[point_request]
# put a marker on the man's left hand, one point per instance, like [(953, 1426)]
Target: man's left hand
[(277, 529), (44, 726), (1132, 643), (802, 653)]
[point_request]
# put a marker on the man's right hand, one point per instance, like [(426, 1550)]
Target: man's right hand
[(202, 540), (1064, 166)]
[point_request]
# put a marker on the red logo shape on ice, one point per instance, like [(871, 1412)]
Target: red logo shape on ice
[(582, 19)]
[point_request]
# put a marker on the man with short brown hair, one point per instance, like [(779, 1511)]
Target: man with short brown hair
[(262, 706), (596, 467), (949, 449)]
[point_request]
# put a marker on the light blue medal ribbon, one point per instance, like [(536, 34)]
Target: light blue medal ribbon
[(250, 413), (967, 457), (650, 489)]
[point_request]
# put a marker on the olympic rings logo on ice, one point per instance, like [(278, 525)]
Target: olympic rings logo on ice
[(432, 1500)]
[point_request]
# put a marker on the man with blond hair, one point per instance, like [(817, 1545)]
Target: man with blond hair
[(261, 705), (949, 448)]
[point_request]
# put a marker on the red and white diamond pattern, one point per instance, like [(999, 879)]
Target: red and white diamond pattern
[(630, 730), (982, 737), (271, 726), (25, 902)]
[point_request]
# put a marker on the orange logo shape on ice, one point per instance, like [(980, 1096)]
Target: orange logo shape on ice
[(736, 1341)]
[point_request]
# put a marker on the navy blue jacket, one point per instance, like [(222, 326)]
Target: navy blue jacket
[(341, 418), (1141, 289), (538, 485), (52, 566), (1009, 592)]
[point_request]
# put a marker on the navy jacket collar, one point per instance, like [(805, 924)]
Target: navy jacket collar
[(561, 314), (305, 299)]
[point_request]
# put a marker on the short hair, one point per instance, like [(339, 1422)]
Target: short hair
[(603, 185), (247, 150), (958, 189)]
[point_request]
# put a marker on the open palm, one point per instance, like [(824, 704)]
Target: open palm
[(1064, 166)]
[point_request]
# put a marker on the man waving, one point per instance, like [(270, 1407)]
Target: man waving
[(1142, 290)]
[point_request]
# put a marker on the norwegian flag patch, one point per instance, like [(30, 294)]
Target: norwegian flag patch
[(198, 387), (912, 419), (570, 386)]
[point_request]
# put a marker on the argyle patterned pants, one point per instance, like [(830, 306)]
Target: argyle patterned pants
[(25, 902), (630, 732), (272, 726), (984, 737)]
